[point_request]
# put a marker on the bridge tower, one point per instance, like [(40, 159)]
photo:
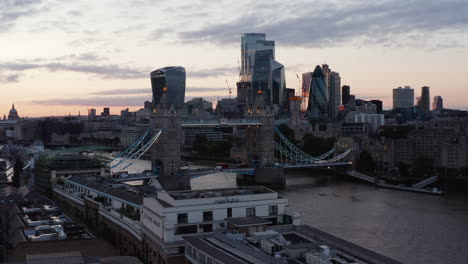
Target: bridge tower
[(165, 153), (260, 139)]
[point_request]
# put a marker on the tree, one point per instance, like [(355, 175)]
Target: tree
[(316, 146), (365, 163), (423, 166), (404, 169), (18, 171), (288, 133)]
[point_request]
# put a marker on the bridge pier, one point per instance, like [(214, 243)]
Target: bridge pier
[(273, 178)]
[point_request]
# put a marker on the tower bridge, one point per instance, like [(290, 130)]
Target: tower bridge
[(266, 158)]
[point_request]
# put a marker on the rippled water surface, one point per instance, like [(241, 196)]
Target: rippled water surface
[(410, 227)]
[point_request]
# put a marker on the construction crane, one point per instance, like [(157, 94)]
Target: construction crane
[(229, 89)]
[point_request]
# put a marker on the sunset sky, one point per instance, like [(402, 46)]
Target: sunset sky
[(59, 57)]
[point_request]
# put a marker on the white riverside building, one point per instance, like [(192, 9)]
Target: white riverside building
[(159, 219), (171, 215)]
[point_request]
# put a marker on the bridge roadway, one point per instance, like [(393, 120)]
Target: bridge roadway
[(249, 171), (220, 122)]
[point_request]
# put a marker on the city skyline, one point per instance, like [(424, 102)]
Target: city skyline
[(102, 57)]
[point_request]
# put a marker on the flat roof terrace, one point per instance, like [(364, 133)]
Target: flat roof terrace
[(210, 193)]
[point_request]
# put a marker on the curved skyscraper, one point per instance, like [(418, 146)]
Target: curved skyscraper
[(172, 78), (318, 98)]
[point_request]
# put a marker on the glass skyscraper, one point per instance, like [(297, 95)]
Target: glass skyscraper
[(306, 82), (250, 44), (260, 71), (172, 78), (318, 98)]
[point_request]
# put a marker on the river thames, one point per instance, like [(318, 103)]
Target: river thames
[(409, 227)]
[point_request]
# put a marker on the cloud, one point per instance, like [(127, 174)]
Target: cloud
[(328, 24), (123, 91), (9, 78), (110, 71), (75, 13), (204, 89), (13, 10), (95, 101), (149, 91)]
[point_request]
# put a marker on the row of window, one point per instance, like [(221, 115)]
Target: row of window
[(208, 215)]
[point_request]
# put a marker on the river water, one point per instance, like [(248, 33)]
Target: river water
[(409, 227)]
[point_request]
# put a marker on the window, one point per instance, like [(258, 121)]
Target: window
[(250, 211), (207, 228), (182, 218), (207, 216), (229, 212), (273, 210), (181, 250), (191, 229)]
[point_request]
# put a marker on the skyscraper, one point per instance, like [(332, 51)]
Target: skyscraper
[(306, 82), (403, 97), (334, 92), (250, 43), (260, 71), (425, 99), (438, 103), (346, 92), (173, 79), (318, 99)]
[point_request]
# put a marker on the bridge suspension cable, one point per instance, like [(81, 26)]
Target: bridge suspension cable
[(293, 153), (138, 153), (132, 147)]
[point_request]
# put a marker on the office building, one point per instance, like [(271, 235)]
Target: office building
[(306, 82), (91, 113), (106, 112), (171, 79), (425, 103), (438, 103), (250, 44), (346, 92), (334, 93), (253, 240), (403, 97), (374, 121), (378, 104), (318, 99), (260, 71)]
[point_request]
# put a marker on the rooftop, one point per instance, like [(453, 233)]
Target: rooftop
[(108, 187), (182, 195)]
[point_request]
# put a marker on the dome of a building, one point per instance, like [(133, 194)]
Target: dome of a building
[(13, 114)]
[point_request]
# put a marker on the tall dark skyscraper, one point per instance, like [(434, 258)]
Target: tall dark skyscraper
[(173, 79), (106, 111), (438, 103), (425, 99), (333, 81), (260, 71), (318, 99), (345, 93)]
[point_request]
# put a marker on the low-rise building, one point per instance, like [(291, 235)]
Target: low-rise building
[(275, 245), (150, 223)]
